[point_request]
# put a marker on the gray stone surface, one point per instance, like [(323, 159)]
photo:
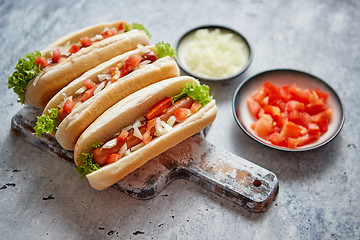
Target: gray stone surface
[(318, 196)]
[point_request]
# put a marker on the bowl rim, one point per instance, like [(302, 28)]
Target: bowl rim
[(214, 26), (334, 93)]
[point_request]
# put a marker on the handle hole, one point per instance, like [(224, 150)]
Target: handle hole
[(257, 183)]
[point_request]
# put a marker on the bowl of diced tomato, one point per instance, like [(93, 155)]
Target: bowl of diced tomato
[(288, 110)]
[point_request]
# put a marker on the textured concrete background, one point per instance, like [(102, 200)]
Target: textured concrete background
[(319, 194)]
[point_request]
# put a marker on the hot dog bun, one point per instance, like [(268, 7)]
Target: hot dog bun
[(124, 113), (51, 79), (81, 117)]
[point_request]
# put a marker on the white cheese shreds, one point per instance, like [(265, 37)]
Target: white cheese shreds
[(80, 90), (99, 88), (214, 53), (137, 133), (110, 143), (136, 147), (171, 121), (123, 149), (103, 77)]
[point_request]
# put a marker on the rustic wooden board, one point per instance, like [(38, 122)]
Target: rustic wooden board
[(195, 159)]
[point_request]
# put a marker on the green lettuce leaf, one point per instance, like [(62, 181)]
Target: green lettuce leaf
[(164, 49), (138, 26), (86, 164), (26, 70), (47, 123), (199, 93)]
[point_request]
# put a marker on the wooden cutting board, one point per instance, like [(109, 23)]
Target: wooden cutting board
[(195, 159)]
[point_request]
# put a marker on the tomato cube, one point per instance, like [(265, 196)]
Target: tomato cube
[(85, 42), (264, 126), (181, 114), (56, 55), (254, 107), (74, 49), (114, 157), (292, 130)]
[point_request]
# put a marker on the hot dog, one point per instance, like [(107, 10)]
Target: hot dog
[(77, 105), (40, 75), (142, 126)]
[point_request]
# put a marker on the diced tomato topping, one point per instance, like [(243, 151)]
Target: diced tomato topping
[(62, 115), (74, 49), (68, 106), (114, 157), (264, 126), (159, 108), (131, 64), (56, 55), (147, 136), (109, 33), (181, 114), (299, 116), (254, 106), (88, 94), (277, 139), (195, 107), (89, 84), (123, 135), (41, 61), (121, 26), (85, 42)]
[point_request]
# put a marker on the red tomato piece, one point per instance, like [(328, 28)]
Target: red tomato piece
[(292, 130), (322, 95), (159, 108), (147, 136), (313, 129), (114, 157), (273, 111), (89, 84), (254, 106), (121, 26), (307, 138), (41, 61), (85, 42), (67, 106), (109, 33), (293, 142), (264, 126), (88, 94), (56, 55), (315, 107), (131, 64), (294, 105), (181, 114), (195, 107), (123, 135), (259, 95), (277, 139), (74, 49)]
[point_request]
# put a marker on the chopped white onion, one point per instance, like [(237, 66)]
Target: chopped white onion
[(103, 77), (123, 149), (137, 123), (167, 127), (144, 63), (77, 104), (64, 50), (80, 90), (66, 98), (136, 147), (137, 133), (99, 88), (110, 143), (98, 37), (142, 49), (127, 152), (171, 121)]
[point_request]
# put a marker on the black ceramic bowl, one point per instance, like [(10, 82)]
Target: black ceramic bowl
[(185, 39), (282, 77)]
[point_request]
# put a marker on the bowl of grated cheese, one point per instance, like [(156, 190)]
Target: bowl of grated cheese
[(213, 52)]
